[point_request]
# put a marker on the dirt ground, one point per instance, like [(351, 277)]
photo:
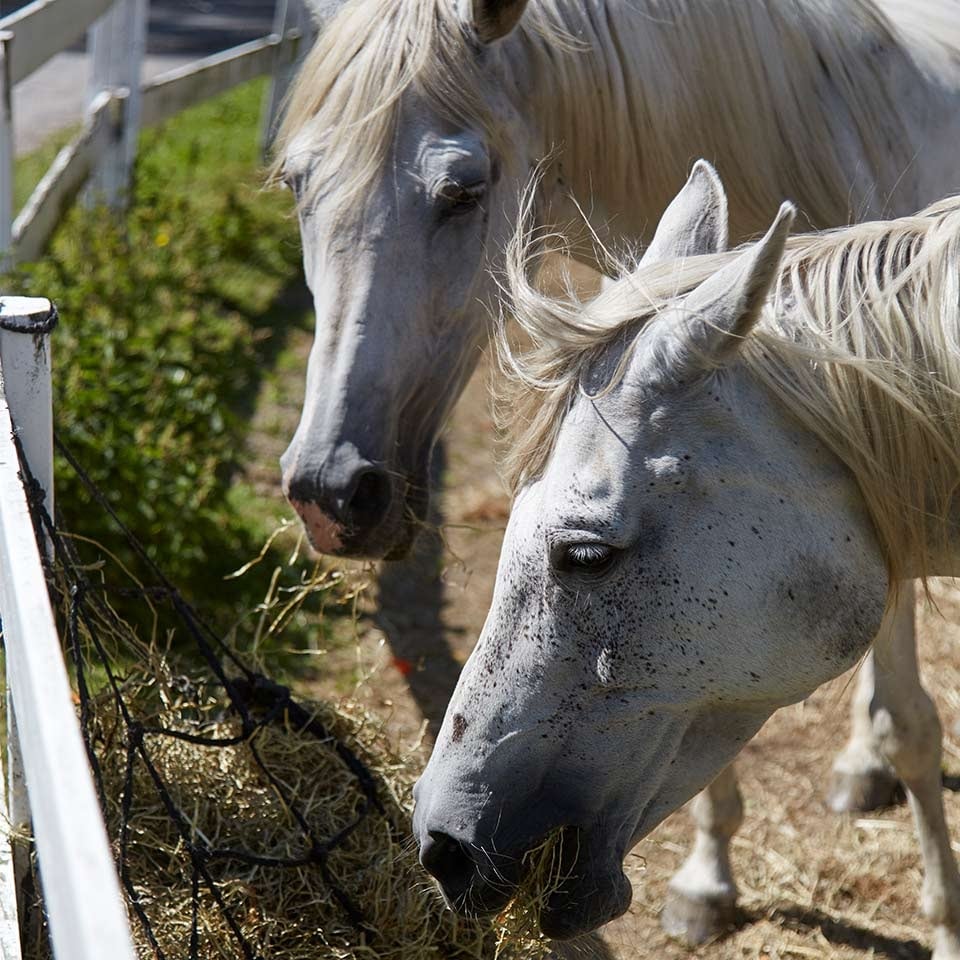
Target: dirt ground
[(812, 884)]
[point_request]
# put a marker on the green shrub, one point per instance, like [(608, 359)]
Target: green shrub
[(166, 328)]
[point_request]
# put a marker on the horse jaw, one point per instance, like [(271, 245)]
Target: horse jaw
[(671, 757)]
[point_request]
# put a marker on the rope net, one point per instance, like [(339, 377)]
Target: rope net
[(245, 823)]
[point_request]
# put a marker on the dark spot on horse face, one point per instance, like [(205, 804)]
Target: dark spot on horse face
[(459, 727), (652, 533)]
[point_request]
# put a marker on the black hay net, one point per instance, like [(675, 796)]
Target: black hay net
[(244, 823)]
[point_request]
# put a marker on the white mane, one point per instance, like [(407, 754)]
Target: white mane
[(860, 341), (644, 86)]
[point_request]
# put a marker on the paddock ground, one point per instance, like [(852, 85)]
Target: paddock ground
[(813, 884)]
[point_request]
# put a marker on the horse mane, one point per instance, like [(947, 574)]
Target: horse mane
[(859, 340), (349, 88), (590, 68)]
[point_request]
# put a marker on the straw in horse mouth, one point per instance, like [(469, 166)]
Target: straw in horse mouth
[(566, 890), (590, 892)]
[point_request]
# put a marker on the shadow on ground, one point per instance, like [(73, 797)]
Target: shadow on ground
[(842, 933), (410, 613)]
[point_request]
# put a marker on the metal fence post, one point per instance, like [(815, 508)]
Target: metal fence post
[(291, 16), (117, 42), (6, 145)]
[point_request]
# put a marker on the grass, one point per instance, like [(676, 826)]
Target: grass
[(30, 168), (172, 319)]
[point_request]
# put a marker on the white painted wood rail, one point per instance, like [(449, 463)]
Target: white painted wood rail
[(44, 28), (103, 153), (60, 185), (49, 784), (81, 891), (171, 92)]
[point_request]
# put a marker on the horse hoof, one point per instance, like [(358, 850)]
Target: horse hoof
[(697, 919), (861, 792)]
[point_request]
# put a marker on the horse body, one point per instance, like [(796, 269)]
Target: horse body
[(413, 128), (710, 537)]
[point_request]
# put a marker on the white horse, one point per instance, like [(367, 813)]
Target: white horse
[(414, 125), (729, 463)]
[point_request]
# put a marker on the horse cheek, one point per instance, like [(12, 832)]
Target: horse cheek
[(837, 613)]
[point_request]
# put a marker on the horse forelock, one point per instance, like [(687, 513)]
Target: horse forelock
[(860, 340), (346, 101)]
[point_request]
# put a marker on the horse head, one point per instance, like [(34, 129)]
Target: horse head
[(687, 560), (406, 156)]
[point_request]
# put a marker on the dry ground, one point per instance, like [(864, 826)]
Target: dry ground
[(812, 884)]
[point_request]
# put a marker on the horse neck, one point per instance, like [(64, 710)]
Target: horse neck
[(783, 97), (892, 413)]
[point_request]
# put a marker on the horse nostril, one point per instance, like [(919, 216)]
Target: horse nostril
[(300, 488), (448, 860), (370, 499)]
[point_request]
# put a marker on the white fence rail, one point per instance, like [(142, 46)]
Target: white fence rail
[(44, 28), (101, 156), (81, 891), (65, 179), (171, 92)]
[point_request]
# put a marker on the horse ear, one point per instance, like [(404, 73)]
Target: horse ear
[(723, 309), (492, 19), (695, 222)]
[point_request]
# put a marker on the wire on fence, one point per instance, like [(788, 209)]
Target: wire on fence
[(282, 839)]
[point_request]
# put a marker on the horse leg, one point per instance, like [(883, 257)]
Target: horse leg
[(701, 898), (861, 779), (907, 731)]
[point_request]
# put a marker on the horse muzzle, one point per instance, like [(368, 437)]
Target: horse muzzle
[(351, 506), (586, 888), (473, 882)]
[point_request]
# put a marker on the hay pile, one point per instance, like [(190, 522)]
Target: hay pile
[(279, 789), (285, 913)]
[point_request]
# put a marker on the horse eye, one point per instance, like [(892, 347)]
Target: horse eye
[(461, 198), (584, 558), (294, 178)]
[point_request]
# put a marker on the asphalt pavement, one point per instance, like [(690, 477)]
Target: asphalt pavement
[(179, 31)]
